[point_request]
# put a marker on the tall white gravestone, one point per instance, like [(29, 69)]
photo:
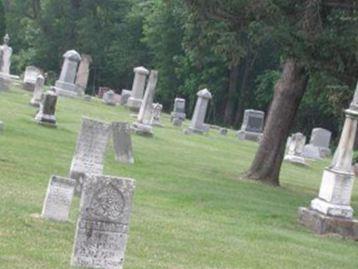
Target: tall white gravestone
[(252, 125), (38, 91), (331, 211), (83, 73), (140, 77), (143, 124), (58, 198), (6, 53), (65, 85), (198, 120), (103, 224), (5, 63), (90, 150), (122, 142)]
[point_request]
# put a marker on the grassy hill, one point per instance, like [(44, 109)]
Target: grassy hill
[(191, 209)]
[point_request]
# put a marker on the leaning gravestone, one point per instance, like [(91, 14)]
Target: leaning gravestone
[(135, 101), (65, 85), (90, 150), (252, 126), (103, 224), (38, 91), (58, 198), (83, 73), (197, 122), (122, 142), (30, 77), (46, 115), (144, 119)]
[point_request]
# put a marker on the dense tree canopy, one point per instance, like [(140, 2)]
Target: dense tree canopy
[(235, 48)]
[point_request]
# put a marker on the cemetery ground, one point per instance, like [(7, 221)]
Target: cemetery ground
[(191, 209)]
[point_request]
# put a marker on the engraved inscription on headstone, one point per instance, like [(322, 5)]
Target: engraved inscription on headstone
[(58, 198), (122, 142), (90, 150), (103, 223)]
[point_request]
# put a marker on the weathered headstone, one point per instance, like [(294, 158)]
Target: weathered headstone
[(57, 204), (108, 98), (331, 211), (178, 114), (83, 73), (90, 150), (197, 122), (321, 138), (38, 91), (103, 224), (311, 152), (124, 97), (1, 127), (65, 85), (295, 147), (122, 142), (30, 77), (46, 114), (143, 124), (252, 126), (157, 110), (135, 101)]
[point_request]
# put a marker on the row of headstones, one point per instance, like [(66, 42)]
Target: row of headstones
[(106, 201), (297, 151)]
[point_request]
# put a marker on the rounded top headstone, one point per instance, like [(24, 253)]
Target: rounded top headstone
[(204, 94), (72, 55), (141, 70)]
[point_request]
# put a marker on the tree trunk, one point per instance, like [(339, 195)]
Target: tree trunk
[(289, 91), (230, 102), (249, 63)]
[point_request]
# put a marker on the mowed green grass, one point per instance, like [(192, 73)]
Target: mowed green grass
[(191, 209)]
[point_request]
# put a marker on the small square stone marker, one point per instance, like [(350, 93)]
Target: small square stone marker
[(57, 203), (103, 223)]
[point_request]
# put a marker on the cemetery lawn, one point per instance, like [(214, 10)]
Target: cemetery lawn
[(191, 209)]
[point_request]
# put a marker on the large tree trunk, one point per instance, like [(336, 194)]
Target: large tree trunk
[(230, 102), (289, 91)]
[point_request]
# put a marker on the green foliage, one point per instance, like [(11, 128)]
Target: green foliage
[(195, 45), (2, 19)]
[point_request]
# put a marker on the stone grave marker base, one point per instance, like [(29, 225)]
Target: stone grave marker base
[(251, 136), (142, 129), (324, 225)]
